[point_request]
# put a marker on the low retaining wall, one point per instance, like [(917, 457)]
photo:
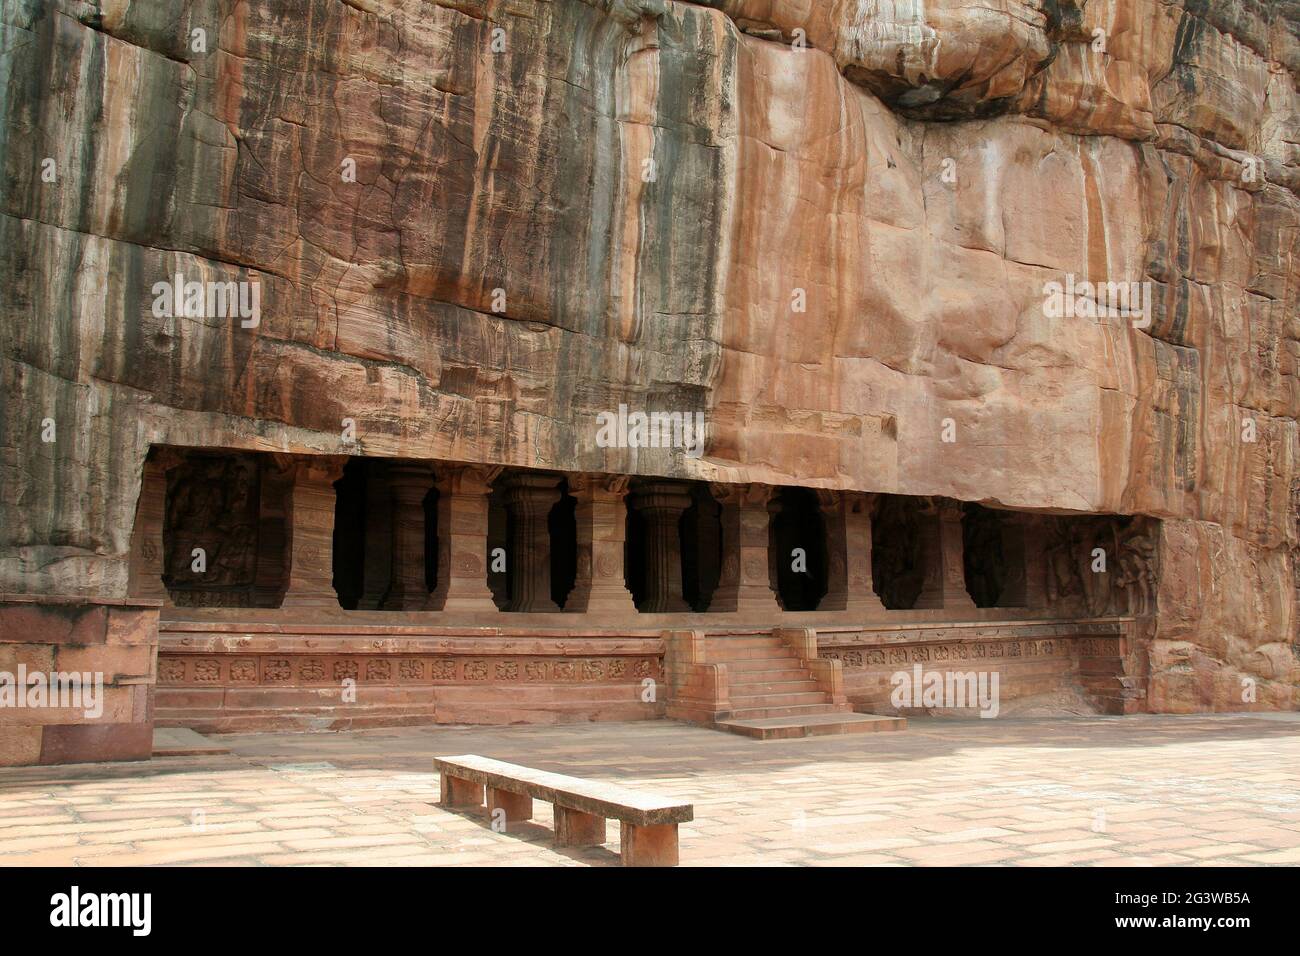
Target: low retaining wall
[(1099, 659), (219, 676), (115, 642), (216, 677)]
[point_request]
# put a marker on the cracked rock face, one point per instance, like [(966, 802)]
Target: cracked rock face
[(829, 225)]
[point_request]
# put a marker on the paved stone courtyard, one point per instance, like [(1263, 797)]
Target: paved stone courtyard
[(1137, 790)]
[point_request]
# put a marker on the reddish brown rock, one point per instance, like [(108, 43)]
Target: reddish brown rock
[(77, 679), (622, 202)]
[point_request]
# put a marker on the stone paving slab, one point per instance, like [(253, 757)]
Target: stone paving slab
[(183, 742), (1096, 791)]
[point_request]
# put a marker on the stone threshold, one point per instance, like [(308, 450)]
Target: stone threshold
[(812, 725), (835, 633), (336, 620)]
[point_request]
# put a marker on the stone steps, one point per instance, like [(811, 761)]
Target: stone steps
[(763, 669), (762, 688), (793, 710), (743, 642), (797, 699), (775, 675), (738, 654), (772, 694), (810, 725)]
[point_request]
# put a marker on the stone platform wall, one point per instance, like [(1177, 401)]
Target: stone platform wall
[(239, 677), (116, 641), (1043, 663)]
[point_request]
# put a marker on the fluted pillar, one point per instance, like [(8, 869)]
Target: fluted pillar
[(600, 584), (462, 538), (744, 581), (529, 498), (408, 484), (660, 504), (311, 532), (849, 588)]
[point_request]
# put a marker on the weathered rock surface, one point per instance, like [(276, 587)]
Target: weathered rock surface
[(560, 206)]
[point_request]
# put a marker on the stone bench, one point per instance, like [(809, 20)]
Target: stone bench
[(648, 822)]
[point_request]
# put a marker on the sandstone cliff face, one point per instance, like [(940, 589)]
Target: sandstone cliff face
[(827, 224)]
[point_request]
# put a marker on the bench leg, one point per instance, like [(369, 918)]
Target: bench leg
[(654, 845), (460, 793), (575, 828), (516, 806)]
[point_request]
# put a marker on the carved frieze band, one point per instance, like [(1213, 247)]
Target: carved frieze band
[(971, 650), (293, 670)]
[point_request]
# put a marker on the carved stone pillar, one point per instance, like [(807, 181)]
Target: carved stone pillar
[(529, 498), (776, 505), (377, 574), (849, 588), (661, 504), (928, 526), (600, 585), (311, 532), (498, 543), (462, 538), (408, 483), (273, 532), (743, 584), (832, 505), (955, 594), (945, 574), (145, 571)]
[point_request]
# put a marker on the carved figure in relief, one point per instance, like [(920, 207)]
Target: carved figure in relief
[(1063, 582), (1097, 584), (1072, 584), (1102, 565), (213, 505), (1137, 575)]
